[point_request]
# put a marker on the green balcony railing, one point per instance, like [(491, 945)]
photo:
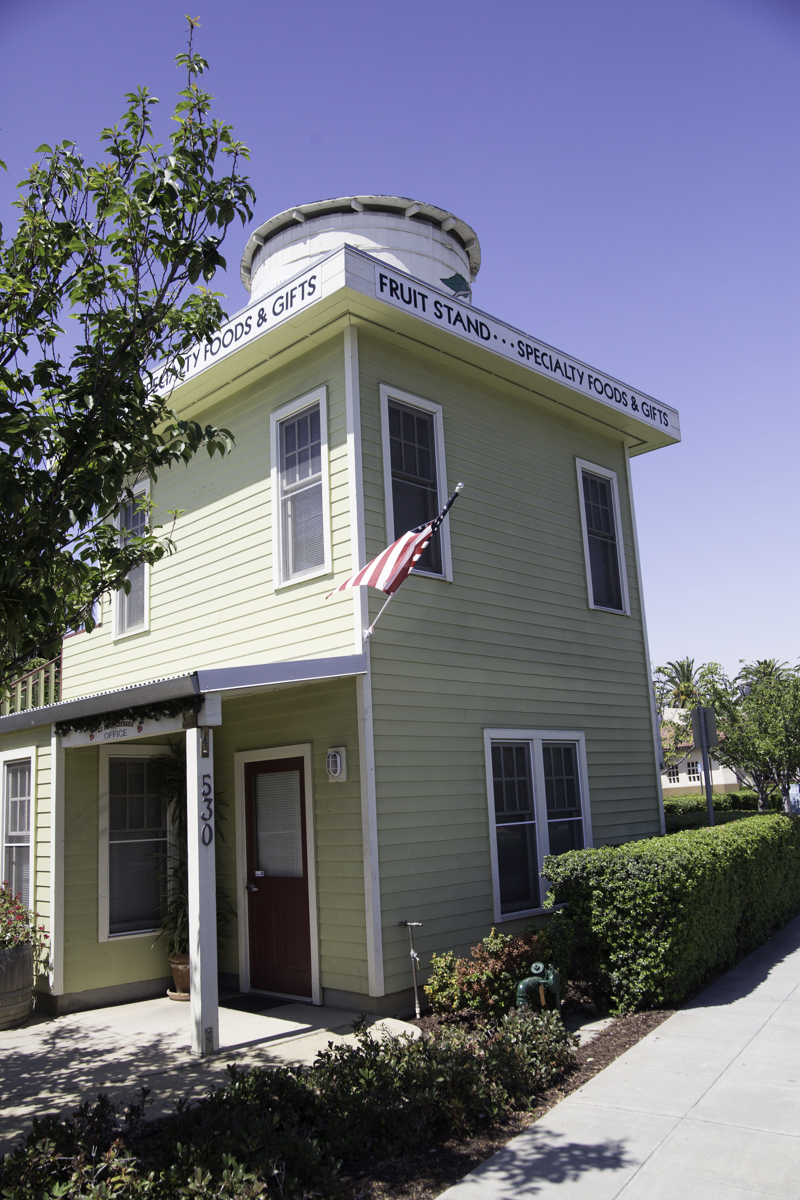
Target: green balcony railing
[(38, 687)]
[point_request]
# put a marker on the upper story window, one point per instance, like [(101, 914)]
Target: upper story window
[(602, 537), (131, 611), (538, 805), (16, 829), (300, 490), (415, 480)]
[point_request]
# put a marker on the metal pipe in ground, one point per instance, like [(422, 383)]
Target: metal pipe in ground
[(411, 926)]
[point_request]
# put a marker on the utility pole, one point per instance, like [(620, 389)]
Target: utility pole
[(704, 731)]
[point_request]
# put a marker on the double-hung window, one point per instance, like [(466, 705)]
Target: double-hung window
[(17, 779), (131, 609), (415, 480), (602, 537), (137, 844), (673, 774), (300, 493), (693, 772), (538, 805)]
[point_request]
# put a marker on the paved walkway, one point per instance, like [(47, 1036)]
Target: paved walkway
[(707, 1106), (54, 1064)]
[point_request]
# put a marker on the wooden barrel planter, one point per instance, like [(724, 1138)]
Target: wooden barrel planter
[(16, 985)]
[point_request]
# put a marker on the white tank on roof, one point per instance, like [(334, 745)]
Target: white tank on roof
[(420, 239)]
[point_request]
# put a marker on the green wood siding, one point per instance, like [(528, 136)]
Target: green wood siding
[(511, 642), (213, 603), (323, 714)]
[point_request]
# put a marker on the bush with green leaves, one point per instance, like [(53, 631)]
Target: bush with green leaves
[(698, 819), (743, 801), (662, 917), (487, 980), (289, 1133)]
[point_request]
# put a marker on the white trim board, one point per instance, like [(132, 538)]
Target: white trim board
[(240, 760), (386, 393), (106, 753), (279, 579), (534, 738), (582, 465)]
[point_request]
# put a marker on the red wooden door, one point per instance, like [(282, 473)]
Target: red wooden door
[(277, 877)]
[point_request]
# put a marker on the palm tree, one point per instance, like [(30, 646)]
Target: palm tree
[(679, 683)]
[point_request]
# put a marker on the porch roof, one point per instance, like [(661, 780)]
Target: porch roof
[(232, 680)]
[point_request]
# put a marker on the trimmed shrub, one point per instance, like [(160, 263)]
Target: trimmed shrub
[(663, 916), (743, 801), (487, 981), (287, 1133), (699, 819)]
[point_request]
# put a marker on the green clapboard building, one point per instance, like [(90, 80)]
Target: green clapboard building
[(500, 711)]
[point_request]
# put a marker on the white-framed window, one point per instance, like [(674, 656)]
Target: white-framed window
[(414, 473), (673, 774), (133, 843), (538, 794), (17, 789), (301, 522), (693, 772), (606, 577), (131, 612)]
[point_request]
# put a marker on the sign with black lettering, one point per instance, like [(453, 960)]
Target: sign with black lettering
[(263, 315), (408, 294)]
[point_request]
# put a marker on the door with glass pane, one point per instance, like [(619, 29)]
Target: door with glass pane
[(277, 878)]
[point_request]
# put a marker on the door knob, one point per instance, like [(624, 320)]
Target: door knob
[(251, 887)]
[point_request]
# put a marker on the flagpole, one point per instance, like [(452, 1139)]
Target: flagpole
[(369, 632)]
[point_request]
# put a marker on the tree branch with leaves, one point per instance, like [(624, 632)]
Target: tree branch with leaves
[(123, 250)]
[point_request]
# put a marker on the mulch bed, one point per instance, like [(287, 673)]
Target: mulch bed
[(423, 1176)]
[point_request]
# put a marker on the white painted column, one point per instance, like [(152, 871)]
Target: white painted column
[(57, 767), (202, 889)]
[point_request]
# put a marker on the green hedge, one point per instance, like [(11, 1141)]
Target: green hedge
[(743, 801), (675, 822), (663, 916)]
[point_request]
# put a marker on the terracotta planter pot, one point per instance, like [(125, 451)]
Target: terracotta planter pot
[(180, 974), (16, 985)]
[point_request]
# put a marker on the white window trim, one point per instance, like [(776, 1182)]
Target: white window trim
[(392, 393), (240, 760), (534, 738), (582, 465), (318, 396), (141, 489), (106, 753), (12, 756)]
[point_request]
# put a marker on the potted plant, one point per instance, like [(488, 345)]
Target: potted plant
[(23, 946)]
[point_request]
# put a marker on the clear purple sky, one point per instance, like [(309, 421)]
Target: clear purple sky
[(632, 172)]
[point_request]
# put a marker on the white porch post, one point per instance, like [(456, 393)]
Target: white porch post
[(202, 889)]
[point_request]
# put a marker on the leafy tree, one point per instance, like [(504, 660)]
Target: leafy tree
[(123, 249), (758, 720)]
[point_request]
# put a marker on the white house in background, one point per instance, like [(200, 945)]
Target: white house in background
[(687, 775)]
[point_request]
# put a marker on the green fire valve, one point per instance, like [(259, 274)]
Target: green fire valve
[(542, 980)]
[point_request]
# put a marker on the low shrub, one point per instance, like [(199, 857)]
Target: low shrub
[(743, 801), (288, 1132), (663, 916), (699, 819), (487, 980)]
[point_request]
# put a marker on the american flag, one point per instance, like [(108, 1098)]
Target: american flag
[(390, 569)]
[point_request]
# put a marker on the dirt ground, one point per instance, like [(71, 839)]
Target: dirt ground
[(423, 1176)]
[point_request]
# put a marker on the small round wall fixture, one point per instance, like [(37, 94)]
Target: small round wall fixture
[(336, 764)]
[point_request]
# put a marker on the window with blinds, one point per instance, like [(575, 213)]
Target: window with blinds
[(137, 847), (278, 825), (17, 829), (131, 608), (601, 533), (302, 513), (415, 494), (537, 806)]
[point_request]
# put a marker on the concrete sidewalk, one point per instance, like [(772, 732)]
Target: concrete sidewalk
[(707, 1106), (55, 1064)]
